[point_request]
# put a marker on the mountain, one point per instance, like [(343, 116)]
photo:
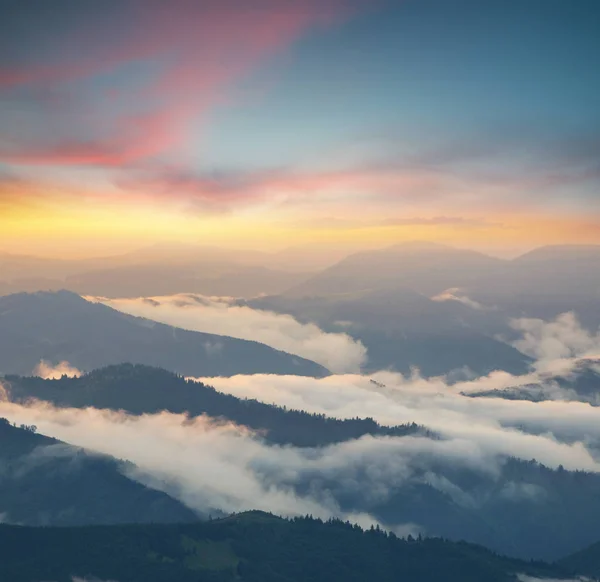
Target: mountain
[(423, 267), (46, 482), (559, 271), (542, 283), (64, 327), (206, 278), (304, 258), (563, 254), (580, 382), (254, 547), (402, 329), (526, 510), (160, 270), (586, 561), (144, 390), (521, 508), (547, 282)]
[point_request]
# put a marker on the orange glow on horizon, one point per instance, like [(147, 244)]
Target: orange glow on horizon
[(70, 230)]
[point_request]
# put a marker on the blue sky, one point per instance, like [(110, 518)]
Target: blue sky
[(276, 109)]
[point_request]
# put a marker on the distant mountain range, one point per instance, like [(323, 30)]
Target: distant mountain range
[(46, 482), (403, 329), (558, 273), (438, 308), (430, 268), (426, 268), (412, 305), (254, 547), (164, 269), (63, 326)]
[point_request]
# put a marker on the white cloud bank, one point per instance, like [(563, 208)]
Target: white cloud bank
[(212, 465), (553, 432), (549, 341), (338, 352), (215, 465)]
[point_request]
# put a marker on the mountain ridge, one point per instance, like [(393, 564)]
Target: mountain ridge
[(48, 482), (62, 326), (139, 389)]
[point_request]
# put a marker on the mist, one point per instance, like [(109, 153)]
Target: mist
[(501, 427), (209, 465), (338, 352), (548, 341), (212, 465)]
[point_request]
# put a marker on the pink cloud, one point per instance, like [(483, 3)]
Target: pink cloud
[(198, 49), (222, 192)]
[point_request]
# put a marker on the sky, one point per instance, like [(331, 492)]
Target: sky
[(266, 124)]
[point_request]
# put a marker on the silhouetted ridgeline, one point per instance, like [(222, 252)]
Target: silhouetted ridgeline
[(140, 389)]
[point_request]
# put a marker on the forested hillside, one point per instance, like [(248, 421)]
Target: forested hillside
[(46, 482), (253, 547), (143, 390)]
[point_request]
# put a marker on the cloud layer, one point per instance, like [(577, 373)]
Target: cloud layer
[(553, 432), (214, 465), (562, 338), (338, 352)]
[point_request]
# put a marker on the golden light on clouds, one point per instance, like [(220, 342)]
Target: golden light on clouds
[(74, 228)]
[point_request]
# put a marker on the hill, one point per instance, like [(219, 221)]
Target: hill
[(63, 326), (546, 282), (46, 482), (543, 283), (586, 561), (563, 253), (424, 267), (580, 382), (403, 329), (254, 547), (145, 390)]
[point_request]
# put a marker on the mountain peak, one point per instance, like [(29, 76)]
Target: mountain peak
[(561, 252)]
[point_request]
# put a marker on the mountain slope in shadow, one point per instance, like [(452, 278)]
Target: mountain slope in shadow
[(62, 326), (46, 482), (254, 547)]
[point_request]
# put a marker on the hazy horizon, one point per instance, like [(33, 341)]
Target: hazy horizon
[(337, 251), (302, 290)]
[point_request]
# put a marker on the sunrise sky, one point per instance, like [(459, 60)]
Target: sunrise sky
[(270, 123)]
